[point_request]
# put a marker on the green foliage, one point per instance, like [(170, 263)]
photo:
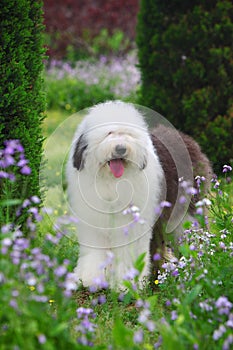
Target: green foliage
[(38, 319), (73, 95), (76, 86), (190, 309), (105, 43), (185, 57), (100, 45), (203, 279), (21, 100), (122, 336)]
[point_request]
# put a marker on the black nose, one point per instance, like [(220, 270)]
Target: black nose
[(120, 150)]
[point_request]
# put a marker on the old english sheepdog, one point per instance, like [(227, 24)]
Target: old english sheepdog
[(118, 174)]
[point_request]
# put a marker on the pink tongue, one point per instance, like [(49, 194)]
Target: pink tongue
[(116, 167)]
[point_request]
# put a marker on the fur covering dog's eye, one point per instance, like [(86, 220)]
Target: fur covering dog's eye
[(79, 153)]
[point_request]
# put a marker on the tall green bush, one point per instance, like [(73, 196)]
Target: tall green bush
[(186, 62), (22, 102)]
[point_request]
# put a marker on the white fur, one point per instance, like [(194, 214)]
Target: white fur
[(98, 199)]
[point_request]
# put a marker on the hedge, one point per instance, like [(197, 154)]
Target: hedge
[(186, 63), (22, 102)]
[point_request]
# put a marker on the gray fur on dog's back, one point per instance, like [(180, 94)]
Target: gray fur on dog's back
[(162, 136)]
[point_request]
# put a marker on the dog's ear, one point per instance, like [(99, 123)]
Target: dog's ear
[(79, 153)]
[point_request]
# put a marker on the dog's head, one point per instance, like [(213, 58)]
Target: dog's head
[(112, 139)]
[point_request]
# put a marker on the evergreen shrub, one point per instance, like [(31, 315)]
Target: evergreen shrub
[(186, 63), (22, 102)]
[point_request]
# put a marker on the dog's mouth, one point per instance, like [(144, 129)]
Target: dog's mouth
[(117, 166)]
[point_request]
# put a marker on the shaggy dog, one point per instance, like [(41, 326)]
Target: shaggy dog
[(118, 174)]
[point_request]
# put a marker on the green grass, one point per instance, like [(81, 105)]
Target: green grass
[(58, 129), (52, 120)]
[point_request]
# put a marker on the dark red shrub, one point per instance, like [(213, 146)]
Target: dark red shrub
[(72, 21)]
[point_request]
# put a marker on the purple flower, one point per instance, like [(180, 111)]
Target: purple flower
[(53, 239), (70, 283), (182, 200), (60, 271), (222, 245), (159, 343), (25, 170), (33, 210), (139, 303), (169, 266), (191, 190), (228, 342), (108, 261), (6, 242), (131, 274), (8, 161), (229, 323), (2, 278), (41, 338), (162, 205), (3, 174), (143, 317), (174, 315), (219, 332), (26, 203), (226, 168), (199, 180), (31, 280), (168, 303), (135, 212), (181, 264), (35, 199), (11, 177), (175, 273), (12, 146), (86, 326), (165, 204), (39, 298), (150, 325), (102, 299), (31, 225), (204, 305), (22, 162), (223, 305), (21, 244), (199, 211), (98, 283), (82, 312), (138, 336), (216, 185), (8, 157), (13, 303), (123, 73), (156, 257), (15, 293)]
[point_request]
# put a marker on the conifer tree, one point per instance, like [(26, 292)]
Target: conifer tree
[(186, 62), (22, 102)]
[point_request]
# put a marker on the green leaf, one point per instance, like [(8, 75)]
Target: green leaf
[(140, 263), (153, 300), (60, 328), (193, 294), (122, 336), (10, 202), (127, 299)]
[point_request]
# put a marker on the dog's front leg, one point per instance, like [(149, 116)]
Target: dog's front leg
[(91, 266)]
